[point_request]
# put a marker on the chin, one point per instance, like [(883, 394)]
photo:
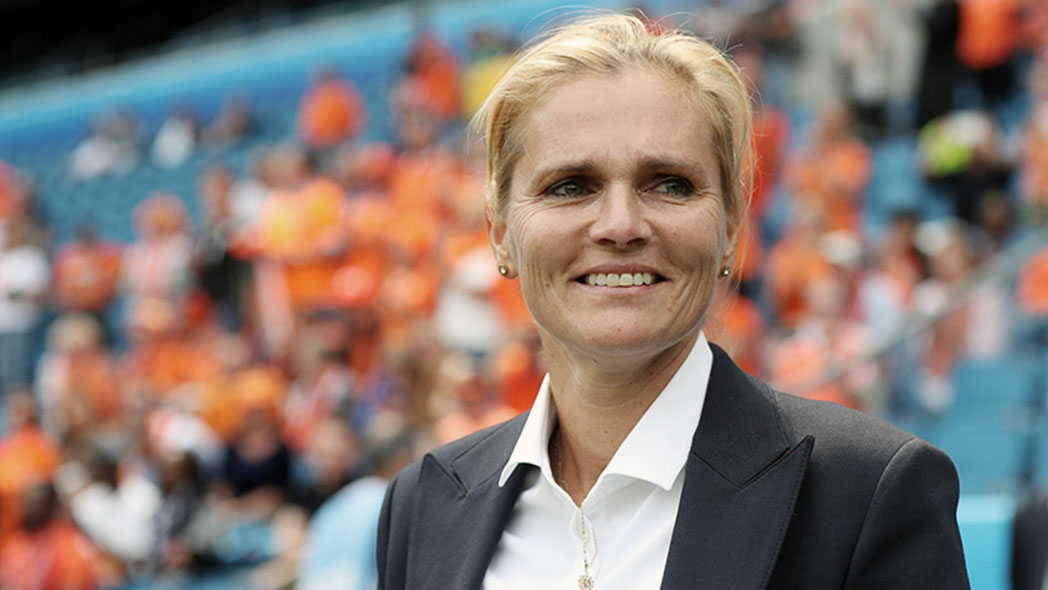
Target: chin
[(617, 346)]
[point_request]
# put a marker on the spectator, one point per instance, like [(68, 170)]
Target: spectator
[(182, 495), (257, 463), (87, 273), (975, 330), (963, 152), (987, 38), (220, 272), (330, 112), (340, 542), (322, 389), (158, 263), (796, 260), (437, 72), (177, 138), (49, 553), (1033, 284), (78, 385), (330, 458), (863, 49), (835, 168), (474, 405), (110, 148), (24, 279), (940, 68), (234, 121), (27, 455), (490, 59), (116, 509), (1034, 172)]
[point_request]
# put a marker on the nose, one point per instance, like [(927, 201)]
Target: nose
[(620, 221)]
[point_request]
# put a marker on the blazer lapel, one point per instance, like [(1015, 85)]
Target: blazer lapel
[(458, 527), (741, 481)]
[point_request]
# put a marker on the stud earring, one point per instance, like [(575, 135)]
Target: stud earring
[(725, 271), (503, 270)]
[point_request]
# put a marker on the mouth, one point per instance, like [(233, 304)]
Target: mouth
[(623, 279)]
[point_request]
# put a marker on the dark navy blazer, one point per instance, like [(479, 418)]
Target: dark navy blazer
[(779, 493)]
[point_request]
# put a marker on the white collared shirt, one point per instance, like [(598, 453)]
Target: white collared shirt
[(628, 516)]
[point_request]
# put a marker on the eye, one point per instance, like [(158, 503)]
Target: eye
[(568, 188), (674, 186)]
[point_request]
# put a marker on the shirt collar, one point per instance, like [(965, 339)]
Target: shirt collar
[(664, 431)]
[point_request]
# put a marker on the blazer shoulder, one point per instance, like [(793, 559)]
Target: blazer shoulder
[(843, 433)]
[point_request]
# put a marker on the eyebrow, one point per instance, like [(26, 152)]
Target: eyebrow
[(540, 178)]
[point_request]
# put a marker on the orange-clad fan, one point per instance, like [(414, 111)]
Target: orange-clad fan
[(988, 32), (770, 134), (739, 330), (78, 381), (304, 230), (796, 260), (49, 553), (438, 71), (162, 356), (1033, 284), (835, 168), (87, 272), (27, 455), (331, 111), (9, 205), (474, 405), (518, 372), (227, 399)]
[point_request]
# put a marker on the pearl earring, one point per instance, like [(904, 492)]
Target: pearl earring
[(503, 270)]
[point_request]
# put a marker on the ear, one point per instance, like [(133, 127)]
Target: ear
[(734, 232), (496, 223)]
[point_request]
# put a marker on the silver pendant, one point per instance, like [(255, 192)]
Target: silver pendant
[(585, 582)]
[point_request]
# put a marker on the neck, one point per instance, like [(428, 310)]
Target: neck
[(598, 402)]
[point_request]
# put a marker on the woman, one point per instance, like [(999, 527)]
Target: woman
[(615, 167)]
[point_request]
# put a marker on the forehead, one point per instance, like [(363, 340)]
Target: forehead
[(617, 120)]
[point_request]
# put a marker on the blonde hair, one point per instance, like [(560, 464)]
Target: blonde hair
[(606, 45)]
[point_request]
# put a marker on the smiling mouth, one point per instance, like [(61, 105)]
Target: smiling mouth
[(625, 279)]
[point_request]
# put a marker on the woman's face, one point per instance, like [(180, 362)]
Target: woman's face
[(617, 180)]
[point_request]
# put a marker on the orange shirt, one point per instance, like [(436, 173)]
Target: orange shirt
[(836, 175), (26, 456), (329, 114), (791, 266), (87, 275), (517, 375), (770, 131), (736, 323), (306, 230), (988, 32), (57, 557), (1033, 284)]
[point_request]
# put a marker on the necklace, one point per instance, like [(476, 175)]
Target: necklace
[(585, 580)]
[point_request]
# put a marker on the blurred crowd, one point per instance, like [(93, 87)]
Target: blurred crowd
[(232, 390)]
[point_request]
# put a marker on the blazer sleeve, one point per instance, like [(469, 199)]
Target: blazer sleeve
[(394, 527), (909, 538)]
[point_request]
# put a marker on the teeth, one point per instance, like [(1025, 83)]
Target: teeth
[(619, 280)]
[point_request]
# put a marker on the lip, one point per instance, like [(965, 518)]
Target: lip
[(620, 268)]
